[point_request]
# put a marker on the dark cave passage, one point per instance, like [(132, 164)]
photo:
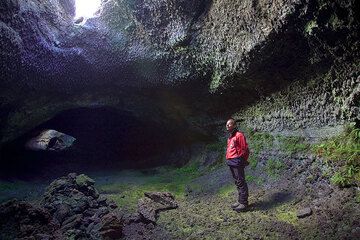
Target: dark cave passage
[(106, 139)]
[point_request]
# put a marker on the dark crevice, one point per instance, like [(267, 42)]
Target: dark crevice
[(106, 139)]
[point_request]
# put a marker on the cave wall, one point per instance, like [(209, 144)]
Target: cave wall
[(330, 101), (317, 105), (231, 31), (224, 56)]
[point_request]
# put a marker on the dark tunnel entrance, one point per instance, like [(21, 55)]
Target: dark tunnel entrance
[(106, 139)]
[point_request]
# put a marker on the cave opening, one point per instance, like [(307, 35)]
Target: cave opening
[(106, 139), (86, 8)]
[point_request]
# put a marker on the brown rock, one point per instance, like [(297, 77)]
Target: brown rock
[(153, 203), (111, 226)]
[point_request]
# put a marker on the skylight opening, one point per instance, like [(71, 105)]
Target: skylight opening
[(86, 8)]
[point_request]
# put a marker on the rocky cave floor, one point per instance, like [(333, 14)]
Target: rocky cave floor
[(204, 201)]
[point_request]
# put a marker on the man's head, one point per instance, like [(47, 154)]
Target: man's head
[(230, 125)]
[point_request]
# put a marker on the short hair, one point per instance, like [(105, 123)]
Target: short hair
[(231, 119)]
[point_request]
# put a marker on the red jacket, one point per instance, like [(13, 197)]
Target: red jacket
[(237, 146)]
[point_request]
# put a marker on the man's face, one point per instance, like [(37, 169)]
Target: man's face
[(230, 125)]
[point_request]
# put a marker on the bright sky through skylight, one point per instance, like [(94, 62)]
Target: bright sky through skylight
[(86, 8)]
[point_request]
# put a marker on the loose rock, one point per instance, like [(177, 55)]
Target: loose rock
[(153, 203), (305, 212)]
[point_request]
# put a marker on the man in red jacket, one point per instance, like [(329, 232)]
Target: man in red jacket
[(237, 154)]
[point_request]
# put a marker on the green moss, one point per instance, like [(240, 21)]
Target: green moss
[(310, 26), (259, 141), (293, 144), (83, 180), (357, 196), (274, 167), (169, 179), (253, 161), (226, 190), (287, 214), (216, 81), (257, 180), (342, 153)]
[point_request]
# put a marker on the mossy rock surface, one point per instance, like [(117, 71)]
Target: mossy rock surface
[(84, 181)]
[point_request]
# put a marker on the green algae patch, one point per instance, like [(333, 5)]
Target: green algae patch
[(83, 180), (163, 179), (256, 179), (226, 190), (274, 167), (287, 214), (216, 81), (211, 217), (259, 141), (293, 144), (357, 196)]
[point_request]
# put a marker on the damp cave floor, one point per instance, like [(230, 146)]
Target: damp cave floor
[(204, 206)]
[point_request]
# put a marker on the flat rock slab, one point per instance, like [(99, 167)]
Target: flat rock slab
[(153, 203), (305, 212)]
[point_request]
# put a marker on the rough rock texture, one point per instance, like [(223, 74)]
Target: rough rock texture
[(159, 59), (330, 101), (251, 48), (76, 206), (70, 208), (232, 31), (329, 96), (153, 203), (305, 212), (21, 220), (50, 140)]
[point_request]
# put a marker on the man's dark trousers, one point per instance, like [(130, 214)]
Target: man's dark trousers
[(237, 167)]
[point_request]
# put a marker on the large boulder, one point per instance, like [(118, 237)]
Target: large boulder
[(75, 204), (71, 208), (50, 140)]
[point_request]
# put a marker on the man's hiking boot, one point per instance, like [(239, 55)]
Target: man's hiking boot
[(234, 205), (241, 208)]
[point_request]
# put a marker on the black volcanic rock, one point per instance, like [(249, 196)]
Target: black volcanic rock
[(75, 204), (70, 208), (22, 220)]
